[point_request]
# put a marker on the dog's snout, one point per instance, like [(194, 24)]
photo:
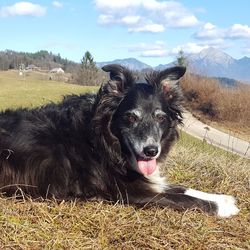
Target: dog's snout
[(150, 151)]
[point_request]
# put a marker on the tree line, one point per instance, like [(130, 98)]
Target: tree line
[(84, 73), (43, 59)]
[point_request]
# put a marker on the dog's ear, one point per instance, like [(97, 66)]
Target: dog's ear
[(120, 78), (168, 77)]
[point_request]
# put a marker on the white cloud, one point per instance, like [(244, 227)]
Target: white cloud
[(185, 22), (23, 9), (57, 4), (145, 15), (189, 48), (156, 49), (210, 31), (106, 19), (116, 5), (238, 31), (154, 53), (152, 27), (130, 20), (193, 48)]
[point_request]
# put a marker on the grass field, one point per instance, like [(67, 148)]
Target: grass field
[(31, 90), (30, 224)]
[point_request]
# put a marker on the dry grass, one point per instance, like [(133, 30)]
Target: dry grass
[(27, 224), (227, 108), (30, 224)]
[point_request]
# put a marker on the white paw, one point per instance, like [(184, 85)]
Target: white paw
[(226, 205)]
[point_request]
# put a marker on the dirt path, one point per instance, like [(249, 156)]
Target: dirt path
[(213, 136)]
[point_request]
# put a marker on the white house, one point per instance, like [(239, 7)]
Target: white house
[(57, 71)]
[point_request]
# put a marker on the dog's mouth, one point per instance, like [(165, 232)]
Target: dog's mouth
[(139, 162), (147, 166)]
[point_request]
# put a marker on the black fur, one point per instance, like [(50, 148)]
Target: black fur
[(77, 148)]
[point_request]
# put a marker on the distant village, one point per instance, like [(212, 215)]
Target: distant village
[(33, 67)]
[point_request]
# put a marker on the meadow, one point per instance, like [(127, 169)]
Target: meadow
[(33, 89), (49, 224)]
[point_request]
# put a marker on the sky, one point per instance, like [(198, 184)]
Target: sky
[(152, 31)]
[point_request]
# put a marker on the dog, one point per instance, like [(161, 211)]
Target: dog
[(103, 146)]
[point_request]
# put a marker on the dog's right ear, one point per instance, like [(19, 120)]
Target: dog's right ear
[(169, 77), (120, 78)]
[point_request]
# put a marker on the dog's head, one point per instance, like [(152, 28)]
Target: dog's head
[(146, 115)]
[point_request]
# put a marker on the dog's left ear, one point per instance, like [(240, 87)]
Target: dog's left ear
[(168, 77), (121, 78)]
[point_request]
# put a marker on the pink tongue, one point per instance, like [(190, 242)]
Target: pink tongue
[(147, 167)]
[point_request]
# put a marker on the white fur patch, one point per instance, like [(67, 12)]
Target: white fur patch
[(226, 203), (159, 183)]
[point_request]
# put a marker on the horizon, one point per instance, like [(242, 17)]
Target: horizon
[(125, 29), (126, 58)]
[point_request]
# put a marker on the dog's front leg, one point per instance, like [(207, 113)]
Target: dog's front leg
[(225, 203), (181, 198)]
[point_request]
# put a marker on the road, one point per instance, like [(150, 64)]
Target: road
[(213, 136)]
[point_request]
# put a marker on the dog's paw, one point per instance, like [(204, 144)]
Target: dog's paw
[(226, 206), (225, 203)]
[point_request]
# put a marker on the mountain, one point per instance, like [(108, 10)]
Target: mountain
[(212, 56), (131, 63), (215, 63), (209, 62)]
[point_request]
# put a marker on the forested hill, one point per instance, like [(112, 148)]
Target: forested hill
[(42, 59)]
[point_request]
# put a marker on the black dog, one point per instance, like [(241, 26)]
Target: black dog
[(102, 146)]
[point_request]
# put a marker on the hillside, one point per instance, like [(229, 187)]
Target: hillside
[(42, 59)]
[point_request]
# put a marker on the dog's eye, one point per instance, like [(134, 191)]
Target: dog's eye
[(132, 118), (160, 118)]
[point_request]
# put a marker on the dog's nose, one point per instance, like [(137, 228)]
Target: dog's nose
[(150, 150)]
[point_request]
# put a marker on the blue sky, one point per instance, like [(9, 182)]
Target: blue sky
[(152, 31)]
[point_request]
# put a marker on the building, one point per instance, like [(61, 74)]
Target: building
[(57, 71)]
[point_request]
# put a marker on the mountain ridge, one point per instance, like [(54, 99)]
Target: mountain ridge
[(209, 62), (131, 63)]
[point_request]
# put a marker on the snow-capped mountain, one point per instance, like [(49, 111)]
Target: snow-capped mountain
[(213, 62), (216, 63), (209, 62), (212, 56)]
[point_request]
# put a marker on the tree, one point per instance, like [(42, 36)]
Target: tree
[(87, 61), (181, 59), (88, 72)]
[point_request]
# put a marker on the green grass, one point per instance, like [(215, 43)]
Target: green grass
[(31, 91), (29, 224)]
